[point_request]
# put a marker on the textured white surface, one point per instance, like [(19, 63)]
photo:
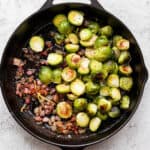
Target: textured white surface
[(135, 136)]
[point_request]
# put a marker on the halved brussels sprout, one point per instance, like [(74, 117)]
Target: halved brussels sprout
[(114, 113), (116, 53), (45, 74), (84, 66), (73, 60), (82, 119), (76, 17), (115, 94), (80, 104), (85, 34), (62, 88), (87, 78), (71, 97), (73, 38), (57, 76), (59, 38), (109, 66), (64, 110), (125, 102), (101, 41), (54, 59), (77, 87), (91, 109), (58, 19), (96, 67), (90, 53), (68, 74), (125, 69), (113, 80), (72, 48), (126, 83), (116, 38), (36, 44), (95, 124), (93, 26), (123, 44), (124, 57), (106, 30), (102, 116), (104, 91)]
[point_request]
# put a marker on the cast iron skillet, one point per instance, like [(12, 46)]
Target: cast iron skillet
[(39, 22)]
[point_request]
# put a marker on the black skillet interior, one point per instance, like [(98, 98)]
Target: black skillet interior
[(40, 23)]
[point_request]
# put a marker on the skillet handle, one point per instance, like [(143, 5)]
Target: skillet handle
[(49, 3)]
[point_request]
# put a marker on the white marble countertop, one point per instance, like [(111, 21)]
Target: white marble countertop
[(136, 134)]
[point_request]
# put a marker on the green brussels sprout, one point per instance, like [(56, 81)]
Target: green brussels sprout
[(126, 83), (59, 38), (73, 38), (68, 74), (125, 102), (84, 66), (36, 44), (123, 44), (80, 104), (109, 66), (77, 87), (64, 110), (54, 59), (72, 48), (125, 69), (114, 113), (115, 94), (104, 91), (82, 119), (57, 76), (58, 19), (113, 80), (94, 27), (124, 57), (96, 67), (103, 53), (94, 124), (45, 74), (116, 69), (106, 30), (101, 41), (62, 88), (90, 42), (102, 116), (87, 78), (85, 34), (73, 60), (71, 97), (116, 53), (103, 74), (91, 109), (76, 17), (90, 53), (92, 88), (116, 38)]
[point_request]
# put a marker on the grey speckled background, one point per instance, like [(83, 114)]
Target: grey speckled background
[(136, 134)]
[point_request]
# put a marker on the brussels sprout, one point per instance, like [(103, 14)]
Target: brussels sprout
[(72, 96), (96, 67), (68, 74), (103, 105), (124, 57), (123, 44), (103, 74), (113, 80), (125, 69), (65, 27), (54, 59), (59, 38), (62, 88), (73, 38), (104, 91), (72, 48), (90, 53), (76, 17), (103, 53), (57, 76), (106, 30), (116, 38), (102, 116), (80, 104), (36, 44), (91, 109), (58, 19), (126, 83), (125, 102), (87, 78), (92, 88), (94, 124), (116, 53), (85, 34), (115, 94), (94, 27), (90, 42), (77, 87), (73, 60), (114, 113), (45, 74), (64, 110), (116, 69), (84, 66), (101, 41), (109, 66), (82, 119)]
